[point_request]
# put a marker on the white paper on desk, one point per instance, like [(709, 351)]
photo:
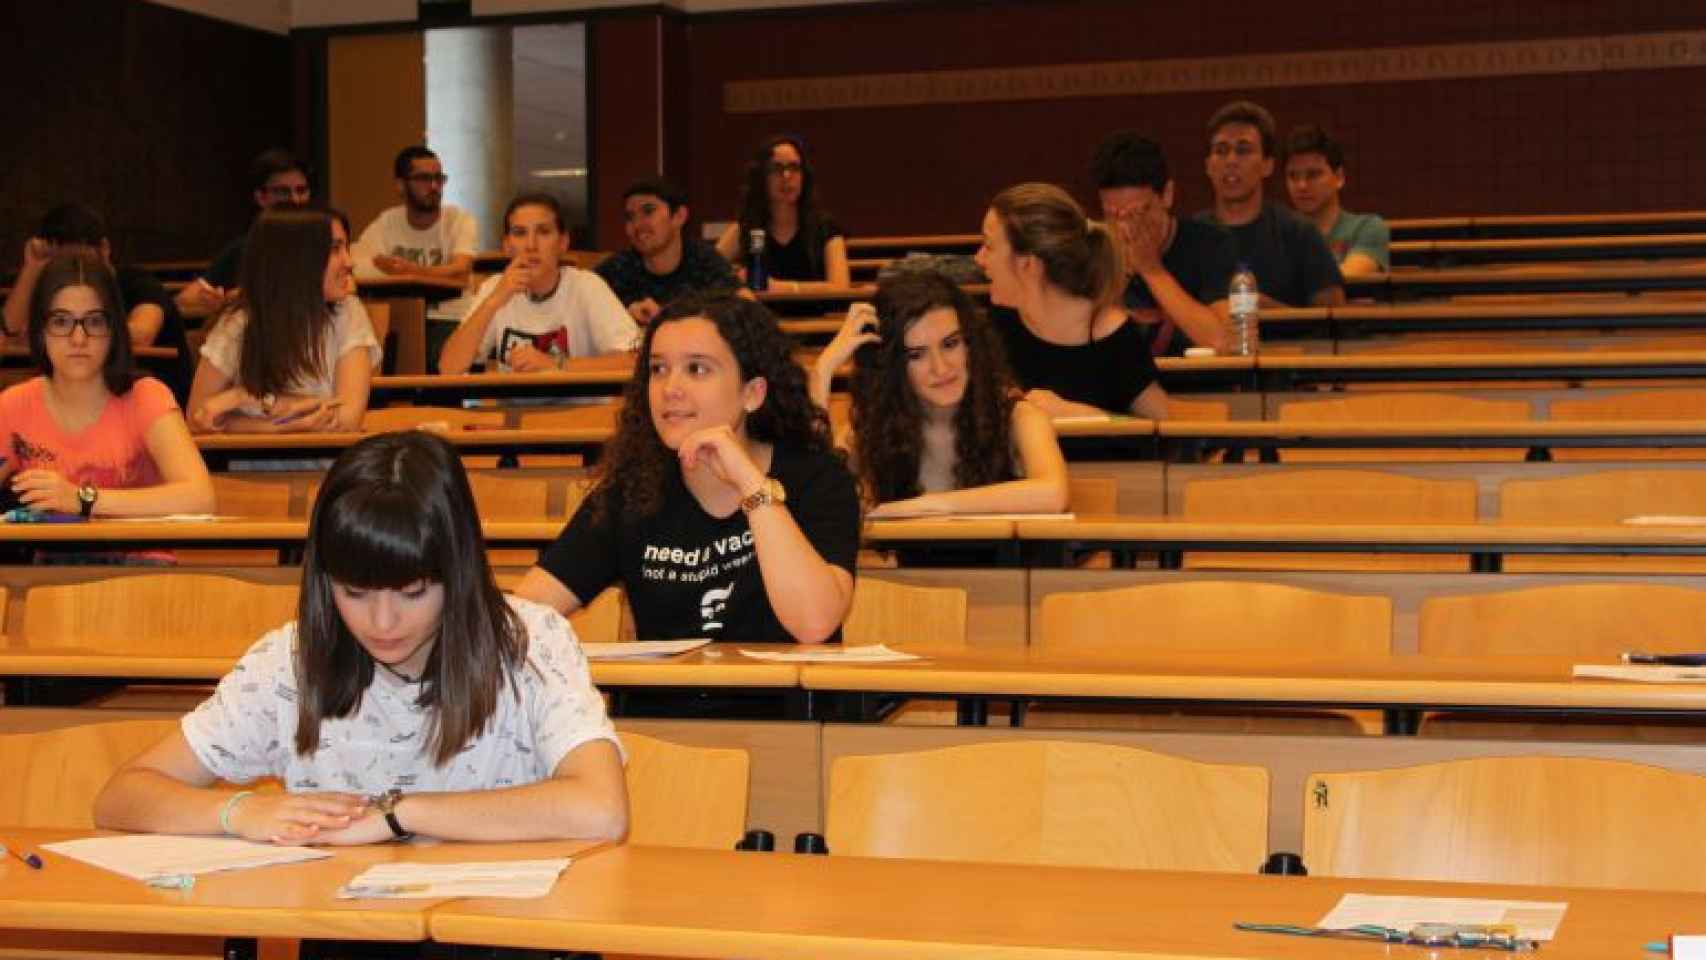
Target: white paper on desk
[(1639, 672), (1534, 920), (142, 856), (1666, 520), (636, 649), (510, 879), (874, 653)]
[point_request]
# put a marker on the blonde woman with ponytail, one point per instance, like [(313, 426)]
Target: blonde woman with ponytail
[(1073, 348)]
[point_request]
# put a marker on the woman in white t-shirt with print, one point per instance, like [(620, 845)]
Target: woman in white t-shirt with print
[(296, 352), (408, 697), (539, 312)]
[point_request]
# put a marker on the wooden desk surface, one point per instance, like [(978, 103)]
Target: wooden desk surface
[(1296, 536), (1473, 361), (921, 241), (1258, 676), (720, 665), (471, 438), (1517, 430), (425, 287), (697, 903), (938, 528), (294, 900)]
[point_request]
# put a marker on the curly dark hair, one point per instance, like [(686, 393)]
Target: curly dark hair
[(637, 466), (755, 197), (888, 421)]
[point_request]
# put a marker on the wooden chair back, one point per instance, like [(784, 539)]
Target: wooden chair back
[(388, 419), (681, 796), (1329, 496), (888, 612), (1594, 620), (169, 614), (496, 497), (1558, 821), (583, 415), (1050, 802), (232, 497), (1182, 408), (1603, 497), (1438, 346), (52, 776), (1675, 403), (1217, 615), (379, 315), (1402, 407), (601, 620), (1092, 495)]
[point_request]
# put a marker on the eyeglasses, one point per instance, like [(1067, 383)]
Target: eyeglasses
[(288, 193), (784, 169), (95, 324), (435, 179)]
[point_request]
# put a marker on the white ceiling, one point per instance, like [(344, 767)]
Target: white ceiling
[(280, 16)]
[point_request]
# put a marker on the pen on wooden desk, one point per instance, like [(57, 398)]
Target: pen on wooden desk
[(1667, 659), (31, 858)]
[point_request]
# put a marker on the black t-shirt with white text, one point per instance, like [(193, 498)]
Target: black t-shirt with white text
[(689, 574)]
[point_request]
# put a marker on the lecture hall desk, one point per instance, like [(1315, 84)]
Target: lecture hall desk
[(1051, 542), (706, 903), (1403, 685), (293, 900)]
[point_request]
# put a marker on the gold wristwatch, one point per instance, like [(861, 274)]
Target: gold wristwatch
[(770, 491)]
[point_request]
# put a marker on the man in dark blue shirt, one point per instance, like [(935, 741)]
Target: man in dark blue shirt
[(1291, 261), (1178, 270), (662, 264)]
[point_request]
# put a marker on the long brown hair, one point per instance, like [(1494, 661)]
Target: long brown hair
[(396, 509), (1078, 255), (284, 269), (888, 420), (755, 199), (637, 466)]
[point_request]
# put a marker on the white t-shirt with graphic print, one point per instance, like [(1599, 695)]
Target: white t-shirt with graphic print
[(455, 232), (547, 708)]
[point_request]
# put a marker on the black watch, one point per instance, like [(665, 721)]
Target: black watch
[(86, 497), (386, 803)]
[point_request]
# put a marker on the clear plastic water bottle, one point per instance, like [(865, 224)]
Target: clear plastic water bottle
[(756, 278), (1243, 298)]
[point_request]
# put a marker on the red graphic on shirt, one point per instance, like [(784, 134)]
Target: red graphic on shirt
[(555, 343)]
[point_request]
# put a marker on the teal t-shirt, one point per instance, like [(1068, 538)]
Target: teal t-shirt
[(1363, 233)]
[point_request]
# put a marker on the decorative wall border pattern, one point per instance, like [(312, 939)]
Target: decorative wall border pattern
[(1639, 51)]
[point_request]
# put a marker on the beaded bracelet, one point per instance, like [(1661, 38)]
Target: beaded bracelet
[(225, 811)]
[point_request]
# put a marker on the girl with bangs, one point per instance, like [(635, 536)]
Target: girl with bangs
[(409, 697), (937, 424)]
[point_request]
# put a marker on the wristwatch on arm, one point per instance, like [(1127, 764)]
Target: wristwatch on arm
[(386, 803), (87, 494), (768, 492)]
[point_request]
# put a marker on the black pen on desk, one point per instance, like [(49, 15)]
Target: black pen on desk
[(1666, 659), (30, 858)]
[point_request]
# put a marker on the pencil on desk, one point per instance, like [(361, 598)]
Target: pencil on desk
[(29, 857)]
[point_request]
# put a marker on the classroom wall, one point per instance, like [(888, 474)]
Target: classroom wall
[(1588, 141), (149, 114)]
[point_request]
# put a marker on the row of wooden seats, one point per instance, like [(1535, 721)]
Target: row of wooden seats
[(1536, 820)]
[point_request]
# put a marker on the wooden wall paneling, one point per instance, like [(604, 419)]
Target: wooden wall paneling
[(375, 106), (625, 113)]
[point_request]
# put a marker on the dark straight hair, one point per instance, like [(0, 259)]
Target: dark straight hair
[(84, 268), (396, 509), (284, 270)]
